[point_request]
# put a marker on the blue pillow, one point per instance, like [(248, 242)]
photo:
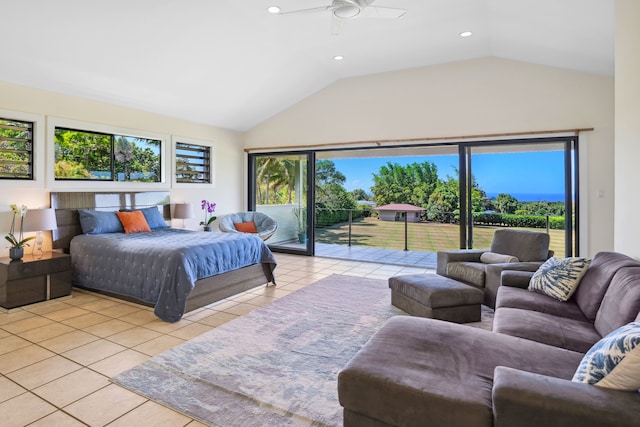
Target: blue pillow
[(614, 361), (152, 215), (99, 222)]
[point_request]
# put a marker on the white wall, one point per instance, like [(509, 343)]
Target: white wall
[(627, 127), (227, 190), (484, 96)]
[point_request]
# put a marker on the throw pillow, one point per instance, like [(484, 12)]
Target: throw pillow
[(133, 222), (152, 215), (559, 277), (614, 361), (494, 258), (99, 222), (246, 227)]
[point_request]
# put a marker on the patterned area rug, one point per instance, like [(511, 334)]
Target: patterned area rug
[(277, 365)]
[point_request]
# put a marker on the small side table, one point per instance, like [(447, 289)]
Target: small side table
[(31, 280)]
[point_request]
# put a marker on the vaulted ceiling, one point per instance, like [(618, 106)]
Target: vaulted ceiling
[(232, 64)]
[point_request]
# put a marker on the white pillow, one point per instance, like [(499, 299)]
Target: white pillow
[(614, 361), (495, 258), (559, 277)]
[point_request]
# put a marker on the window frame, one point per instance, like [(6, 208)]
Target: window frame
[(212, 159), (54, 122), (37, 149)]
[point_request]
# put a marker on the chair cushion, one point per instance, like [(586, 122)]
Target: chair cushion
[(526, 300), (559, 277), (571, 334), (246, 227), (596, 280), (621, 302), (614, 361), (525, 245), (494, 258), (469, 272)]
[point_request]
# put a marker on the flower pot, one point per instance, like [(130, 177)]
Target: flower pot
[(16, 253), (207, 228), (302, 238)]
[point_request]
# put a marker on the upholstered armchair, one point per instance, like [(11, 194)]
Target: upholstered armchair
[(510, 250), (243, 222)]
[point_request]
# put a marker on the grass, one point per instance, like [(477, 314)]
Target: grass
[(421, 236)]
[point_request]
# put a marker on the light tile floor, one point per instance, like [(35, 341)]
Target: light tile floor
[(56, 357)]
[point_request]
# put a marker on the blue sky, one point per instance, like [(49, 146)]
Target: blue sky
[(511, 173)]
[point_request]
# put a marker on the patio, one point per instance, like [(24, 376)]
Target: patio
[(371, 254)]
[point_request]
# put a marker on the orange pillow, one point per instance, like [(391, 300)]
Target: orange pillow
[(133, 222), (246, 227)]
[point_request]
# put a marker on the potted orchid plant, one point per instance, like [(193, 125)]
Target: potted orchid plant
[(16, 251), (209, 208)]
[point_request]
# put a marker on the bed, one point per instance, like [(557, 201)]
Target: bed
[(175, 271)]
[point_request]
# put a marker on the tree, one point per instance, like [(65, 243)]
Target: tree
[(359, 194), (506, 203), (330, 193), (412, 184)]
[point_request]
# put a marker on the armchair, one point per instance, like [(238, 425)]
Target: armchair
[(519, 250), (264, 224)]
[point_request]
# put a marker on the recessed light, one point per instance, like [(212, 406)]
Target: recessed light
[(465, 33), (273, 9), (338, 57)]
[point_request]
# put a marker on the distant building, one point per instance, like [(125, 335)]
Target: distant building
[(397, 211)]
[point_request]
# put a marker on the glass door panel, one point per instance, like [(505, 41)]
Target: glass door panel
[(280, 190), (524, 186)]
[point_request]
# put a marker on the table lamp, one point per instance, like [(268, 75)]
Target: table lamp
[(40, 220), (183, 211)]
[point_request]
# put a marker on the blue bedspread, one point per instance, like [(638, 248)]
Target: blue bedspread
[(161, 267)]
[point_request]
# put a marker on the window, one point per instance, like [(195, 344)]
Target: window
[(88, 155), (193, 163), (16, 149)]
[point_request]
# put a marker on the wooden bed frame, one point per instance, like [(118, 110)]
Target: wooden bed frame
[(205, 292)]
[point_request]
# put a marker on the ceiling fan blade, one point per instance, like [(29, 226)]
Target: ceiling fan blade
[(312, 10), (336, 25), (384, 12)]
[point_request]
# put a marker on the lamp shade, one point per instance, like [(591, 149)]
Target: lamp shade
[(40, 220), (183, 211)]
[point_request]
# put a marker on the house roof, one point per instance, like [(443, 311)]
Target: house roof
[(399, 207), (231, 64)]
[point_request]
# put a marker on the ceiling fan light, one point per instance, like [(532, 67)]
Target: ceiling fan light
[(346, 12), (273, 9)]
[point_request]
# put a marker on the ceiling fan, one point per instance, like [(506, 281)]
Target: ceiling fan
[(349, 9)]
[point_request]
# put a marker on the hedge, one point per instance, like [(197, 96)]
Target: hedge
[(523, 221)]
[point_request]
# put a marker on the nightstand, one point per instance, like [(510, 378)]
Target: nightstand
[(31, 280)]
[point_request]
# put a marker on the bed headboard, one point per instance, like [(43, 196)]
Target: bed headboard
[(67, 204)]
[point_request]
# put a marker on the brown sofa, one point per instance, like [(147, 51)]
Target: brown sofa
[(425, 372)]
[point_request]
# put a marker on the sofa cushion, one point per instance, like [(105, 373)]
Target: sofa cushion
[(614, 361), (553, 330), (526, 300), (469, 272), (494, 258), (559, 277), (524, 245), (417, 369), (621, 302), (596, 280)]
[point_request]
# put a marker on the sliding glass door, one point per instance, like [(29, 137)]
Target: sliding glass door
[(280, 189), (525, 184)]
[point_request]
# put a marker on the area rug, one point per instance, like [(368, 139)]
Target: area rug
[(277, 365)]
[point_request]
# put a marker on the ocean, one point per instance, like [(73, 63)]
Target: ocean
[(533, 197)]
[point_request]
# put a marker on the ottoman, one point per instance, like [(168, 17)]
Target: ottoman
[(437, 297)]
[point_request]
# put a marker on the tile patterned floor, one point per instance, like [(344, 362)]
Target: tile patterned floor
[(366, 253), (56, 357)]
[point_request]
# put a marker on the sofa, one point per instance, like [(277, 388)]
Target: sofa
[(482, 268), (427, 372)]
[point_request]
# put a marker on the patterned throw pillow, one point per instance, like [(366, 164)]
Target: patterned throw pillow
[(559, 277), (614, 361)]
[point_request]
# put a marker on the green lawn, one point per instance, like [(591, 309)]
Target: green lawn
[(422, 236)]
